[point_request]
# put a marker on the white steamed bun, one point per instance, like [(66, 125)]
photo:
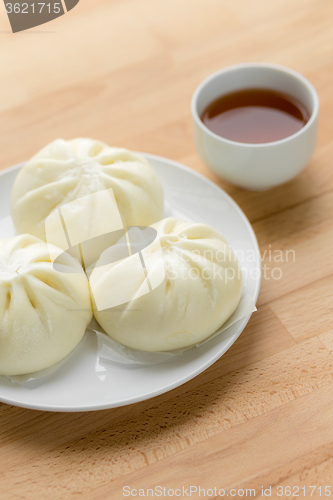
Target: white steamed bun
[(43, 312), (194, 286), (64, 171)]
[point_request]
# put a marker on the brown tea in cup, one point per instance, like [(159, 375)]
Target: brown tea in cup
[(255, 116)]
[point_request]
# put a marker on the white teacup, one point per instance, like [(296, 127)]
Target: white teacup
[(255, 166)]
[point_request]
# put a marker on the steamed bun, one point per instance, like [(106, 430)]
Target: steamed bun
[(65, 171), (189, 286), (43, 312)]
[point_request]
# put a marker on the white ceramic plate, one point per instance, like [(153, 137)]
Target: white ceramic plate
[(83, 383)]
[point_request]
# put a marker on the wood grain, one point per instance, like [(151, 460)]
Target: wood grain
[(124, 72), (269, 444), (309, 311)]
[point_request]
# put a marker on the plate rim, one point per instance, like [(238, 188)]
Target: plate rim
[(197, 371)]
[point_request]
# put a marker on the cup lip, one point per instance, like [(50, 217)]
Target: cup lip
[(278, 67)]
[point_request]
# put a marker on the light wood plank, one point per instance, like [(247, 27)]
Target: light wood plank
[(239, 455), (179, 424), (303, 216), (297, 261), (308, 311)]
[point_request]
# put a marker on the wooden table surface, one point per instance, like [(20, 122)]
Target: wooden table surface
[(123, 71)]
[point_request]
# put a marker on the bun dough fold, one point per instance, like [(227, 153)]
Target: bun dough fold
[(184, 286), (43, 312), (65, 171)]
